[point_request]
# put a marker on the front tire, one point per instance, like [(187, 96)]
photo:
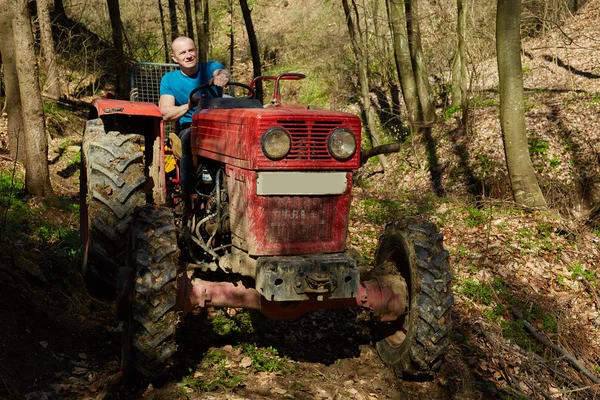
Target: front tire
[(415, 344), (151, 319), (112, 186)]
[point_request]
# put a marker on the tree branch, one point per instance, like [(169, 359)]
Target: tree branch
[(556, 348)]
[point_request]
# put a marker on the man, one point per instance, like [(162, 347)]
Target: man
[(175, 88)]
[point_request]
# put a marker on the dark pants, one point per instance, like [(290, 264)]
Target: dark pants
[(186, 164)]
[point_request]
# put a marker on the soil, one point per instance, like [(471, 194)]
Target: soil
[(58, 342)]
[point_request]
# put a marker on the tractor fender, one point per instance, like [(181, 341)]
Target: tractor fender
[(104, 106)]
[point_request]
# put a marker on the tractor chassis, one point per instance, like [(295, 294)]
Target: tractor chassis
[(386, 296)]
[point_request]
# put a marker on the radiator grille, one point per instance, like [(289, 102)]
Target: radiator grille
[(309, 138), (299, 219)]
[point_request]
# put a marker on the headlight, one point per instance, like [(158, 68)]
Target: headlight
[(276, 143), (342, 144)]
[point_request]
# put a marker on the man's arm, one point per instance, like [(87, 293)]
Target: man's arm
[(169, 110), (220, 77)]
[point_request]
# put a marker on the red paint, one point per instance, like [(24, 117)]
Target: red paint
[(232, 136), (111, 107), (285, 225)]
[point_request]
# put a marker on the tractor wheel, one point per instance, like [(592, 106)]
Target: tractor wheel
[(150, 318), (112, 185), (415, 344)]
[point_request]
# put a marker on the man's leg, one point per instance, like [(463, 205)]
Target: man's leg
[(186, 163)]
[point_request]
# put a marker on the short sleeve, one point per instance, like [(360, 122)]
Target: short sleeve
[(211, 67), (165, 87)]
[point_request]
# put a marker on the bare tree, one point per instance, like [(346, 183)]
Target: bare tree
[(254, 51), (37, 175), (459, 67), (231, 34), (397, 18), (363, 82), (173, 19), (188, 18), (114, 13), (201, 15), (418, 64), (53, 87), (524, 184), (12, 103), (164, 33)]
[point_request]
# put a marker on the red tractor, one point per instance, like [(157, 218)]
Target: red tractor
[(266, 228)]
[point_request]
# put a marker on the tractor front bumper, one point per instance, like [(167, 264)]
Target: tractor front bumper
[(299, 278)]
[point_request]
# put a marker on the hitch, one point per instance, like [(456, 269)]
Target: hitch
[(375, 151)]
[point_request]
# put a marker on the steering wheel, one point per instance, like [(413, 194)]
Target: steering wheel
[(195, 100)]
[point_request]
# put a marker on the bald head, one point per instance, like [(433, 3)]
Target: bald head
[(184, 53), (182, 41)]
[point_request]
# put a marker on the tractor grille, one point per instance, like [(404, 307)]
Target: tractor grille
[(294, 219), (309, 138)]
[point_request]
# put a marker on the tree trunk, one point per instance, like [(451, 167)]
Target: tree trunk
[(363, 81), (12, 101), (164, 33), (52, 86), (59, 8), (416, 56), (459, 67), (397, 18), (254, 51), (37, 175), (114, 13), (188, 18), (231, 34), (525, 188), (173, 19), (201, 14)]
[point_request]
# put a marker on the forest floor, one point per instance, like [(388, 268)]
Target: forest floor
[(513, 269)]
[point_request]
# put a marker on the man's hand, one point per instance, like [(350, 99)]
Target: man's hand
[(220, 78)]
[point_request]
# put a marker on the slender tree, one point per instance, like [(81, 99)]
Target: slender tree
[(363, 82), (12, 101), (459, 66), (59, 7), (114, 13), (188, 18), (254, 51), (524, 184), (397, 18), (164, 33), (52, 87), (201, 15), (418, 64), (173, 19), (231, 34), (37, 175)]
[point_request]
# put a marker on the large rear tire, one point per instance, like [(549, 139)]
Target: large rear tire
[(415, 344), (151, 319), (112, 186)]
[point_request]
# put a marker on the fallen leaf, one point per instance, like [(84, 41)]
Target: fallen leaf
[(246, 362)]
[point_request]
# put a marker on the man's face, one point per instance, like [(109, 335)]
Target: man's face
[(184, 53)]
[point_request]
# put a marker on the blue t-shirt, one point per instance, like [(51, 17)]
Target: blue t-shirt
[(179, 85)]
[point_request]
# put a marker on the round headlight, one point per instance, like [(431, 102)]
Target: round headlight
[(342, 144), (276, 143)]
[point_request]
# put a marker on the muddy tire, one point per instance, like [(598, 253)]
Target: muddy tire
[(150, 321), (415, 344), (112, 185)]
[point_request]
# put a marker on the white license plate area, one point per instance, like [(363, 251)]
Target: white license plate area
[(301, 183)]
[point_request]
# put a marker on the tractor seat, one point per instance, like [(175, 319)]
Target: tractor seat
[(230, 102)]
